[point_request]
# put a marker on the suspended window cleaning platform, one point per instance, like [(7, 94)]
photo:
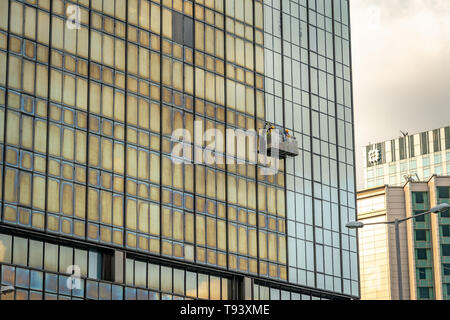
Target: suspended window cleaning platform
[(280, 143)]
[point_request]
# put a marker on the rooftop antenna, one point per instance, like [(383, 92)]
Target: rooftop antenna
[(405, 135)]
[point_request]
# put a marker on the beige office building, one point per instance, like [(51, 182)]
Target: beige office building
[(425, 241)]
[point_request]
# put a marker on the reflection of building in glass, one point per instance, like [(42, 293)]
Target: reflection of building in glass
[(425, 245), (417, 157), (87, 112)]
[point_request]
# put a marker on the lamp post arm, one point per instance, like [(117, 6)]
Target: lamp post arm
[(415, 216), (400, 220), (379, 223)]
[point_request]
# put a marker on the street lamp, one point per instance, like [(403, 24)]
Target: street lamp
[(396, 223), (6, 290)]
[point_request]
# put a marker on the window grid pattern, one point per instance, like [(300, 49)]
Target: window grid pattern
[(318, 109), (40, 270), (91, 125), (265, 292), (422, 242), (443, 196), (428, 153)]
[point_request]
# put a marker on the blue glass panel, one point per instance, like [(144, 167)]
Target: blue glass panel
[(21, 294), (79, 292), (91, 290), (36, 280), (51, 282), (104, 291), (8, 275), (130, 294), (95, 265), (153, 295), (22, 278), (49, 296), (142, 294), (117, 292), (63, 285), (35, 295)]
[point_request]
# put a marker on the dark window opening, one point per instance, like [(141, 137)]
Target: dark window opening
[(177, 27), (444, 192), (421, 235), (446, 231), (402, 148), (382, 148), (108, 267), (446, 250), (182, 29), (188, 32), (422, 273), (422, 254), (446, 268), (101, 266), (411, 147), (393, 150), (437, 140), (419, 196), (445, 214), (424, 143), (420, 218), (424, 293), (447, 138)]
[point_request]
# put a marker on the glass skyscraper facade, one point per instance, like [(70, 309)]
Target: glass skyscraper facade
[(91, 92)]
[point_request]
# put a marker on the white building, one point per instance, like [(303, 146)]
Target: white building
[(415, 157)]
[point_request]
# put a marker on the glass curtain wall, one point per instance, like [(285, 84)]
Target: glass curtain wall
[(87, 112)]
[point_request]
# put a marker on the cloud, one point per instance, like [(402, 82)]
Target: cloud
[(401, 68)]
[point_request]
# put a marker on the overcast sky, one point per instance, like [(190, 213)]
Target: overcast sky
[(401, 69)]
